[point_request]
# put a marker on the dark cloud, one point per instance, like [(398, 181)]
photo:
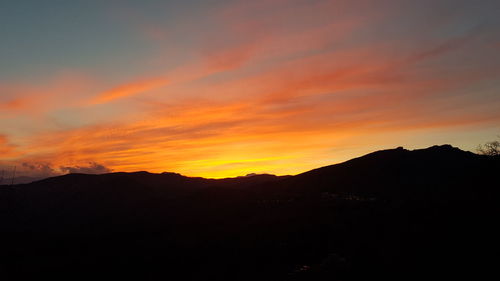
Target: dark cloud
[(26, 172), (38, 169), (32, 171), (92, 168)]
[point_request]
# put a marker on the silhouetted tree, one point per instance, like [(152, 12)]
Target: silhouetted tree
[(491, 148)]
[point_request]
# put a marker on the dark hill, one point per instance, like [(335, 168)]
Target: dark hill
[(393, 214), (398, 171)]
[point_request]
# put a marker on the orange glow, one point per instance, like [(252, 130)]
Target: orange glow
[(7, 150), (12, 104), (265, 87)]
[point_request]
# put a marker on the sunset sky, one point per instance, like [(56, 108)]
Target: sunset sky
[(219, 88)]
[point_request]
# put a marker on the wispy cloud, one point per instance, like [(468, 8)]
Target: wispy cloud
[(92, 168), (130, 89)]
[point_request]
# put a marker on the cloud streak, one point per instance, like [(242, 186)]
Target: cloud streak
[(92, 168), (130, 89)]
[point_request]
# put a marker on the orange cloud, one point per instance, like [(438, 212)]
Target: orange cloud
[(13, 104), (60, 90), (7, 150), (130, 89), (251, 43)]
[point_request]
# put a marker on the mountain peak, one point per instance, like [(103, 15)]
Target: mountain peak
[(443, 147)]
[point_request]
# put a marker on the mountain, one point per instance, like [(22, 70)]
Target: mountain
[(393, 214), (20, 180)]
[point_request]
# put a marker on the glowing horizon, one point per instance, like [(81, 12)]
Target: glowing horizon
[(228, 88)]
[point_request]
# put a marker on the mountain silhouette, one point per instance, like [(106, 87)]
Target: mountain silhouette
[(394, 214)]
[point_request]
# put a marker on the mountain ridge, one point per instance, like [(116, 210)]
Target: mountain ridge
[(441, 148), (380, 215)]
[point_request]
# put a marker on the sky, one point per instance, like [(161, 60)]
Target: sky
[(219, 88)]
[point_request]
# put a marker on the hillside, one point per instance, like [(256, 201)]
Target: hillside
[(394, 214)]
